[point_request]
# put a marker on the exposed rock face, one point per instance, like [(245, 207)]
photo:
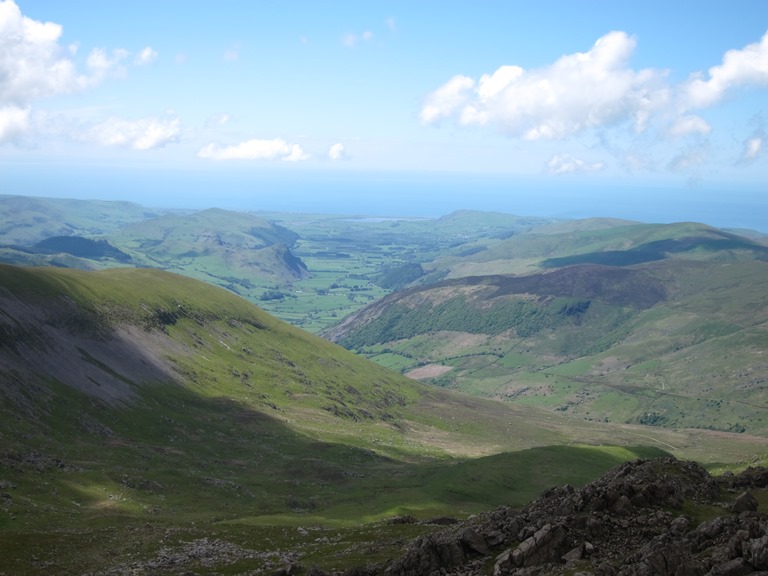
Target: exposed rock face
[(546, 545), (745, 502), (628, 523)]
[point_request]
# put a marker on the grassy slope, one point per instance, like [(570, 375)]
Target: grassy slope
[(594, 241), (261, 426), (245, 425), (27, 220), (692, 359)]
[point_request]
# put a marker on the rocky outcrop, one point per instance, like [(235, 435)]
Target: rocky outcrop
[(629, 523)]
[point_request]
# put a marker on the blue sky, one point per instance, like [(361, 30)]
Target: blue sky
[(653, 110)]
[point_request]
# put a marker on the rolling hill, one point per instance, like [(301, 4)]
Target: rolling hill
[(597, 241), (26, 220), (223, 247), (236, 250), (144, 413), (653, 324)]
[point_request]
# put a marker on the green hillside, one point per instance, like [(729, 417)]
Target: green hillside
[(236, 250), (652, 324), (26, 220), (142, 411), (598, 241)]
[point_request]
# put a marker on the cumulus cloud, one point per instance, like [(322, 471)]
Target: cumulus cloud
[(143, 134), (146, 56), (748, 66), (688, 125), (447, 100), (276, 149), (337, 152), (592, 90), (13, 123), (567, 164), (559, 100), (34, 65)]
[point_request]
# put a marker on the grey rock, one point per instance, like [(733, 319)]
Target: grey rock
[(745, 502), (756, 553), (546, 545), (474, 541), (735, 567), (573, 555), (625, 522), (679, 525)]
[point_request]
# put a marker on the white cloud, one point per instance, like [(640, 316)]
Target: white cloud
[(32, 64), (447, 100), (296, 155), (567, 164), (753, 147), (559, 100), (146, 56), (143, 134), (688, 125), (102, 64), (276, 149), (13, 123), (337, 152), (748, 66)]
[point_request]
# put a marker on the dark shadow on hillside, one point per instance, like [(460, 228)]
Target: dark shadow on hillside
[(658, 250), (617, 286), (174, 452)]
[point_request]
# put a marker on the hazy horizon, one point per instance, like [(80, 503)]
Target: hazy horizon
[(653, 112), (389, 194)]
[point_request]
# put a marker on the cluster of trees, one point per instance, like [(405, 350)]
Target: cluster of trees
[(401, 276), (399, 321), (274, 294)]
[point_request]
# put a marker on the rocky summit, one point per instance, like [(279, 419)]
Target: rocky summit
[(656, 517)]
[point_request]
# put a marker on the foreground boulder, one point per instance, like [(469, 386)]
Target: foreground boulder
[(634, 521)]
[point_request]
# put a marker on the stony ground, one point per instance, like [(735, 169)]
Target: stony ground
[(643, 518)]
